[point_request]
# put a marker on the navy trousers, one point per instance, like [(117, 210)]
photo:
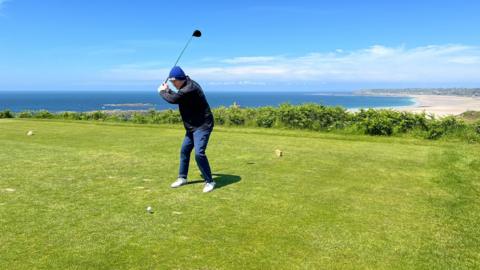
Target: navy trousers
[(198, 140)]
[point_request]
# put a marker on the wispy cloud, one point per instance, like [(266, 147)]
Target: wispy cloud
[(250, 59), (2, 7), (427, 64), (2, 3), (294, 9)]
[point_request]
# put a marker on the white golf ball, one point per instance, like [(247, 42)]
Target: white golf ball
[(149, 209)]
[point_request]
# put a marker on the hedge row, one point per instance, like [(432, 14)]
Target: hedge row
[(307, 116)]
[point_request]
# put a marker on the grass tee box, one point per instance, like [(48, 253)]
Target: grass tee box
[(73, 196)]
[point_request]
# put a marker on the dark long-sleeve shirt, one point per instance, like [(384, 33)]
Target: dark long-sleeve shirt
[(193, 105)]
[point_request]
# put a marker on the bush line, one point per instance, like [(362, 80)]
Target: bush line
[(377, 122)]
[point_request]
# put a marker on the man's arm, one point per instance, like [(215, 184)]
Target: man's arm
[(170, 96)]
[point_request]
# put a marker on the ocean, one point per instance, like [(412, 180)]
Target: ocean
[(57, 101)]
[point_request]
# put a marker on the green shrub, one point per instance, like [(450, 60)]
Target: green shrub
[(70, 115), (250, 115), (476, 127), (66, 115), (375, 122), (287, 116), (220, 115), (235, 116), (329, 118), (444, 126), (6, 114), (266, 117), (380, 125), (139, 118), (98, 115), (171, 117), (43, 114), (435, 131), (163, 117), (389, 122), (84, 116), (301, 117), (410, 121), (25, 114), (313, 116)]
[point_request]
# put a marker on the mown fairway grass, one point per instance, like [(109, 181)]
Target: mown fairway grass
[(73, 196)]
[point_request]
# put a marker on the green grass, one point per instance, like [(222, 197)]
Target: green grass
[(332, 201)]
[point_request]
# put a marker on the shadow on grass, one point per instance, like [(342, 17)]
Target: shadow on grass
[(221, 180)]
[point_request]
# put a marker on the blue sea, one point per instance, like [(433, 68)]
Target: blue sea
[(57, 101)]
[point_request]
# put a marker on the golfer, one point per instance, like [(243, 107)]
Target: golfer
[(198, 121)]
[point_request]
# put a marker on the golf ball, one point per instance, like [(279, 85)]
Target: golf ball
[(149, 209)]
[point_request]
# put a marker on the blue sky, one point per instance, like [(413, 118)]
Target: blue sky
[(247, 45)]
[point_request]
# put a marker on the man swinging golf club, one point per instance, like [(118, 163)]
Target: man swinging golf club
[(198, 121)]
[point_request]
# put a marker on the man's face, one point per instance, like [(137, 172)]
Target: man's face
[(178, 83)]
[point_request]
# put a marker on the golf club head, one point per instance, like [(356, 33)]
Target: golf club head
[(197, 33)]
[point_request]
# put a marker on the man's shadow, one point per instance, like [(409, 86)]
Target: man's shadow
[(221, 180)]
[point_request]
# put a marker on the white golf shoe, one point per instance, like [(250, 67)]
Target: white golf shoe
[(180, 182), (208, 187)]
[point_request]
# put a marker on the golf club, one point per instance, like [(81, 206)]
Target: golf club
[(197, 34)]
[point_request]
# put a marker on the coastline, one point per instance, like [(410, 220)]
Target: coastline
[(440, 105)]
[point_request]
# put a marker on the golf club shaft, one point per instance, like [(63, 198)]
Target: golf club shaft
[(178, 59)]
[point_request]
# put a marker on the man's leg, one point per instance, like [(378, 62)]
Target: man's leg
[(200, 138), (187, 147)]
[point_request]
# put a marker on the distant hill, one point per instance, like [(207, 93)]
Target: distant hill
[(464, 92), (470, 116)]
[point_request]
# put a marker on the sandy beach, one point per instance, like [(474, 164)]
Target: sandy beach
[(442, 105)]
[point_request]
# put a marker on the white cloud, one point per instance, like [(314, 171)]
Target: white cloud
[(427, 64), (250, 59)]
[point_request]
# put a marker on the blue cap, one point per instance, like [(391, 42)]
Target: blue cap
[(177, 74)]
